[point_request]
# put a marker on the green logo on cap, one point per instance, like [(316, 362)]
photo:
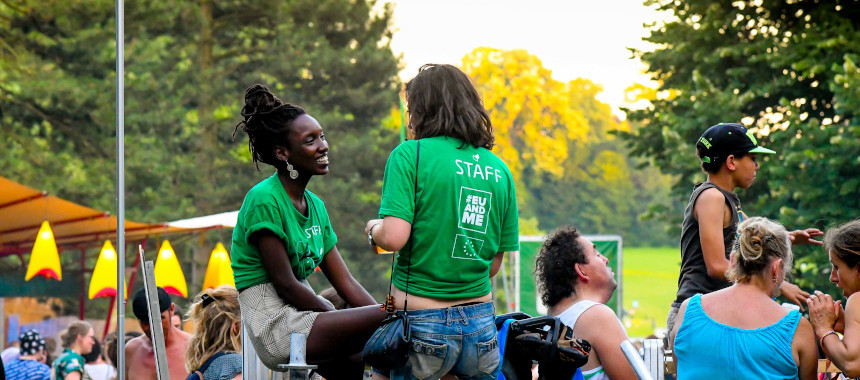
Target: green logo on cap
[(705, 142), (752, 137)]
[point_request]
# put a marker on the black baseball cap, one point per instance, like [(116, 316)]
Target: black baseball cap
[(724, 139), (138, 305)]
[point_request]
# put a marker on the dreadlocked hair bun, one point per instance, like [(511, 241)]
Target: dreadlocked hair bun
[(760, 240), (266, 121), (259, 100)]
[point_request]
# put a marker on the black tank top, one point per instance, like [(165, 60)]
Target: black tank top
[(694, 276)]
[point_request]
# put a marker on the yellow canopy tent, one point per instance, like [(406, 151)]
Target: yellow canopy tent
[(75, 227), (22, 210)]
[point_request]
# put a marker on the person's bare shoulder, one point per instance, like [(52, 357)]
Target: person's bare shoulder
[(134, 345), (181, 335), (711, 196), (599, 319)]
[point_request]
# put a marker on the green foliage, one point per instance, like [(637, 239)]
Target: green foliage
[(187, 66), (787, 69)]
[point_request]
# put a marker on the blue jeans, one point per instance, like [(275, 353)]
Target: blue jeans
[(461, 340)]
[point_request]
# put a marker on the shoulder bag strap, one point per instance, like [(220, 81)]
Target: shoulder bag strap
[(389, 303), (412, 226)]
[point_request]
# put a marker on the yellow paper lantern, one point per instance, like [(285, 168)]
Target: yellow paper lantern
[(45, 260), (218, 272), (103, 282), (168, 273)]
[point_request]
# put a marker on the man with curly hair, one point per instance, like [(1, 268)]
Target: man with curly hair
[(575, 283)]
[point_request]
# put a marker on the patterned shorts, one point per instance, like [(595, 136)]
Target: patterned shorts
[(269, 322)]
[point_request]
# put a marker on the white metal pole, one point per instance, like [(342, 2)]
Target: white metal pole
[(120, 189)]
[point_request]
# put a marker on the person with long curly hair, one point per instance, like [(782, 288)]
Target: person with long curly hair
[(282, 234), (217, 335)]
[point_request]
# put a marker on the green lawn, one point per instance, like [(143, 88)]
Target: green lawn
[(651, 278)]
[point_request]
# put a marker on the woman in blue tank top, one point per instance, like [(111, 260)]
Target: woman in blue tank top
[(740, 332)]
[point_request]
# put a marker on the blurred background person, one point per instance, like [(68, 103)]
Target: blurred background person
[(177, 317), (77, 340), (95, 364), (31, 364)]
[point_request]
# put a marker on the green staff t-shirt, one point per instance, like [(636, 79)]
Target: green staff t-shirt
[(467, 212), (268, 207)]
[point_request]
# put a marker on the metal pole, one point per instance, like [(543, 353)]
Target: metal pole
[(120, 188), (635, 360), (3, 334), (82, 298)]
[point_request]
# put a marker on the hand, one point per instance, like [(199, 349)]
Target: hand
[(822, 312), (793, 294), (805, 236), (370, 224), (840, 317)]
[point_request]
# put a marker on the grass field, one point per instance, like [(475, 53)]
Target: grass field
[(650, 282)]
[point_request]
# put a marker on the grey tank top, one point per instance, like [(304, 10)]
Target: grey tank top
[(694, 274)]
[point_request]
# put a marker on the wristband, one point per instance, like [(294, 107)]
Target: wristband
[(821, 341)]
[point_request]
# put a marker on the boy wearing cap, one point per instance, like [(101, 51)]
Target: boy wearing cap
[(31, 365), (728, 153), (139, 352)]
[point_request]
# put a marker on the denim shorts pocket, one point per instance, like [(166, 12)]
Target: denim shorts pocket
[(489, 356), (426, 359)]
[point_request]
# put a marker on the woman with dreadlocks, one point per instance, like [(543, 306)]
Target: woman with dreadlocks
[(282, 233)]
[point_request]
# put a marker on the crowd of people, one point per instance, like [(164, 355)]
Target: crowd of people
[(448, 207)]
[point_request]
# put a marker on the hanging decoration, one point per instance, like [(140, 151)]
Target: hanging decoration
[(218, 272), (45, 260), (168, 273), (104, 279)]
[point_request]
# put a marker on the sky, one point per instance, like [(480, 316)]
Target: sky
[(573, 38)]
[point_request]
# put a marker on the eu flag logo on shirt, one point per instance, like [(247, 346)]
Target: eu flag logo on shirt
[(467, 248)]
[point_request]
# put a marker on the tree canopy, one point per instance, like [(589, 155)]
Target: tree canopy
[(788, 70), (187, 66)]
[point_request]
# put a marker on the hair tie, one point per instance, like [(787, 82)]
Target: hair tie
[(207, 299)]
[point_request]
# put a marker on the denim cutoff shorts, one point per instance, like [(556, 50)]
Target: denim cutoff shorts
[(459, 339)]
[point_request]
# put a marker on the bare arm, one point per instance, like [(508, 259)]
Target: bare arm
[(710, 211), (605, 335), (341, 279), (844, 353), (74, 375), (390, 233), (497, 263), (273, 254), (805, 351), (130, 349)]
